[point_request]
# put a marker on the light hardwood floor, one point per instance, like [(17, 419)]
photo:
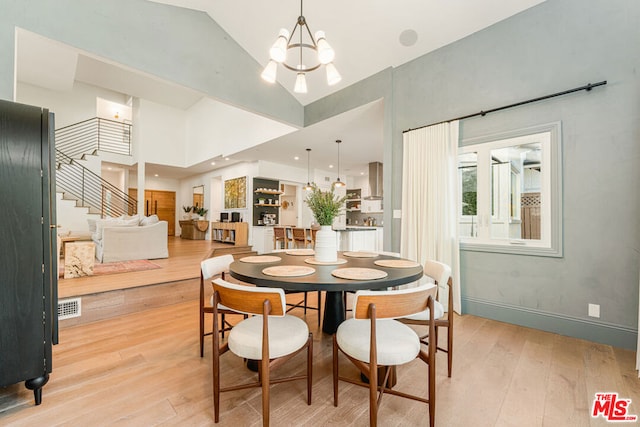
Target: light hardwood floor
[(144, 369), (183, 263)]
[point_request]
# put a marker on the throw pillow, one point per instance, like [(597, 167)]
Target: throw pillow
[(149, 220)]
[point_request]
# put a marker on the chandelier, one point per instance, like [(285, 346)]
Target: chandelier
[(301, 43)]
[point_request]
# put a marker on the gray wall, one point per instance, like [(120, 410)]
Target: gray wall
[(557, 45), (179, 45)]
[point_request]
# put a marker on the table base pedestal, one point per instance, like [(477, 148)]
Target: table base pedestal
[(333, 312)]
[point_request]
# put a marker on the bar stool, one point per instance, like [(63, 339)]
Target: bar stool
[(299, 237), (279, 235)]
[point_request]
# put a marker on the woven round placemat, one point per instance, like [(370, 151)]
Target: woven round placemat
[(396, 263), (288, 271), (260, 259), (306, 252), (357, 273), (362, 254), (314, 261)]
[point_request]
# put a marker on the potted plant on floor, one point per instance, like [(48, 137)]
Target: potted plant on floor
[(325, 206)]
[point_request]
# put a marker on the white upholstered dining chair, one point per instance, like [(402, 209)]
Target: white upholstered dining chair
[(210, 268), (372, 339), (271, 337), (440, 273)]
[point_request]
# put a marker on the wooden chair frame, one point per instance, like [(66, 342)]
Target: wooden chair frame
[(262, 303), (205, 309), (299, 237), (444, 322), (303, 303), (280, 235), (384, 306)]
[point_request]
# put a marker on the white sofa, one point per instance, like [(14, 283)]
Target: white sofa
[(127, 239)]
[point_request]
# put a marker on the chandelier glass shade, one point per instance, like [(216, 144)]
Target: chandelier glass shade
[(308, 53)]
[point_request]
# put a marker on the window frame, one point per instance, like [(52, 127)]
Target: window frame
[(551, 247)]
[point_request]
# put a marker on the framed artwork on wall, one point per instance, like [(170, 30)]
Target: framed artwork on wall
[(235, 193)]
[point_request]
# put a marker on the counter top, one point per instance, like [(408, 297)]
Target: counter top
[(355, 228)]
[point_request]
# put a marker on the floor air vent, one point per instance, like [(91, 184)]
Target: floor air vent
[(69, 308)]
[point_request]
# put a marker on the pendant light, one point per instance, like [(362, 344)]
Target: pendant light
[(308, 187), (339, 183), (312, 52)]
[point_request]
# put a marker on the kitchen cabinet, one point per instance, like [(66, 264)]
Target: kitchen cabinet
[(262, 239), (371, 206), (358, 239), (354, 200), (28, 258)]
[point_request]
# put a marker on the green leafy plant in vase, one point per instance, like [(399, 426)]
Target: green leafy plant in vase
[(202, 212), (187, 211), (325, 206)]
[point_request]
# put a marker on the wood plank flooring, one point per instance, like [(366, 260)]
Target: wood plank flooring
[(183, 263), (143, 369)]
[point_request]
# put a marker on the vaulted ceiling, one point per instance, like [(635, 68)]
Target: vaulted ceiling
[(367, 35)]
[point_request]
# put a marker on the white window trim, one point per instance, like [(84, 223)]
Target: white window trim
[(553, 245)]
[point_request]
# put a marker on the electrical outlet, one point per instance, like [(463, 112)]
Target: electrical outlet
[(594, 310)]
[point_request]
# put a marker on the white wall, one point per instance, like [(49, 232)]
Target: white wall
[(69, 106), (217, 177), (215, 129), (161, 134)]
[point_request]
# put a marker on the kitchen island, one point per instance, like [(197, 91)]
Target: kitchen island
[(360, 238), (350, 238)]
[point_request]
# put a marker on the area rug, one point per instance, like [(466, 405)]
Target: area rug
[(116, 267)]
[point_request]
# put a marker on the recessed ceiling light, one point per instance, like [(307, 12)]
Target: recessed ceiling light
[(226, 158), (213, 163), (330, 166), (361, 173), (155, 175), (408, 38), (296, 158)]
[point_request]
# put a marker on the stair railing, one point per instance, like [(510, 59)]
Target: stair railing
[(91, 135), (91, 190)]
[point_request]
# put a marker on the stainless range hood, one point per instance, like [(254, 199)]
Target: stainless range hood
[(375, 181)]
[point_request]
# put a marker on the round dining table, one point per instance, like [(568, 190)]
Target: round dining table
[(322, 279)]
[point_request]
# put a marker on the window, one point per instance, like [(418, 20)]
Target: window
[(510, 192)]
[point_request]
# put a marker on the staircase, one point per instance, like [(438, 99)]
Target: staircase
[(77, 182)]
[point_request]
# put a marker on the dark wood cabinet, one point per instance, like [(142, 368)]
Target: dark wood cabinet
[(28, 265)]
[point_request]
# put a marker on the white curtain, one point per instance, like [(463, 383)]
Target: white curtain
[(638, 345), (430, 200)]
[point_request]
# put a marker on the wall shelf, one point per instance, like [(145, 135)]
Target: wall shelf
[(266, 200), (268, 191)]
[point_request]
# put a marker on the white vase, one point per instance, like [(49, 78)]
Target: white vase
[(326, 248)]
